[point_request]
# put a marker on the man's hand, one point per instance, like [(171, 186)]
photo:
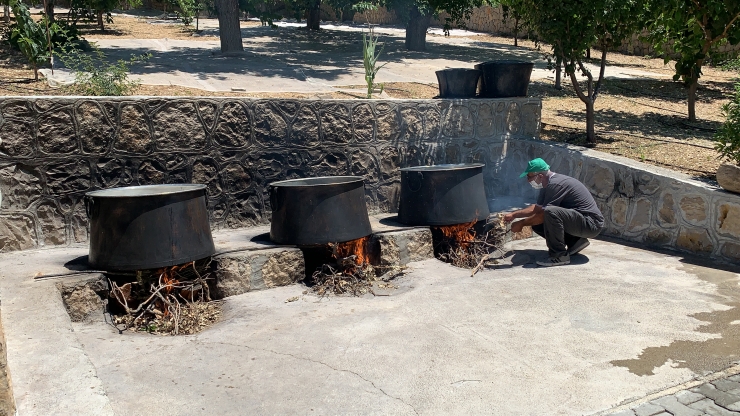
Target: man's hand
[(509, 217), (517, 226)]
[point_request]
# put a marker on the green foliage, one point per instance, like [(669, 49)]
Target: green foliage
[(100, 10), (731, 65), (94, 75), (265, 10), (34, 40), (728, 136), (187, 9), (370, 59), (689, 31)]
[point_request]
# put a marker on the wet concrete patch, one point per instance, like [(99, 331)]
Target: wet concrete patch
[(707, 356)]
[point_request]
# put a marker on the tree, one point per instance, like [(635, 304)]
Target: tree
[(688, 31), (417, 15), (230, 33), (571, 27)]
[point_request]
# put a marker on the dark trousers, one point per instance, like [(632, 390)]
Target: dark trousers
[(563, 227)]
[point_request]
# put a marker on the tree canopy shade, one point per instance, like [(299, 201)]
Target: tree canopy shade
[(571, 27), (229, 31), (688, 31), (417, 14)]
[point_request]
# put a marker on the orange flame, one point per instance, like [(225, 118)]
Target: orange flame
[(463, 234), (357, 248)]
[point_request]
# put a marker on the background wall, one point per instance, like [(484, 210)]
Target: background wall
[(53, 150)]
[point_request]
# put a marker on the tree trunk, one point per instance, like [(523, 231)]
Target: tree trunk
[(313, 20), (588, 53), (6, 13), (228, 26), (558, 73), (416, 30), (100, 19), (590, 123), (692, 99), (516, 32), (49, 10)]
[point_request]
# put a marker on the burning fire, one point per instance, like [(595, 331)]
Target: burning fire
[(463, 234), (357, 248)]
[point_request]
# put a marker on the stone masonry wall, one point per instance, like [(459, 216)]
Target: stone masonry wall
[(54, 149), (640, 203)]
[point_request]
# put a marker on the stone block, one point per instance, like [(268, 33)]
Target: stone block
[(174, 118), (270, 129), (676, 408), (20, 186), (388, 123), (83, 298), (600, 180), (728, 177), (728, 220), (687, 397), (51, 222), (642, 215), (620, 208), (56, 134), (16, 138), (667, 211), (17, 232), (459, 123), (658, 237), (398, 248), (134, 135), (233, 126), (693, 209), (95, 131), (731, 250), (412, 125), (648, 409), (363, 121), (696, 240), (245, 271)]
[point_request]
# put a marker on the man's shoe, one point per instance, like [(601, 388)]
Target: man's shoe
[(579, 245), (554, 261)]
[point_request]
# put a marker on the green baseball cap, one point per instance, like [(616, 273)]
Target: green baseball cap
[(535, 165)]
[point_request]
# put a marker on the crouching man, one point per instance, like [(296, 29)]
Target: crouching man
[(566, 214)]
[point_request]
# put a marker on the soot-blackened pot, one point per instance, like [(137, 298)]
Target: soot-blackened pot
[(313, 211), (502, 79), (148, 227), (442, 194)]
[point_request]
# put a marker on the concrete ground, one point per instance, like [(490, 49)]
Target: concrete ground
[(290, 58), (619, 324)]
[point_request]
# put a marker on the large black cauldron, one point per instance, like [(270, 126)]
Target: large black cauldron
[(442, 194), (457, 82), (501, 79), (321, 210), (147, 227)]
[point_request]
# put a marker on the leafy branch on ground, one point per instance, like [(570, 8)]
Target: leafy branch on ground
[(95, 76), (728, 136)]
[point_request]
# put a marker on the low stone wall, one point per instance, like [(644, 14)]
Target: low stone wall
[(53, 150), (640, 202)]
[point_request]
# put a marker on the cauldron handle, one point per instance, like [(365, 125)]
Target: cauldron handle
[(89, 205), (273, 199), (420, 180)]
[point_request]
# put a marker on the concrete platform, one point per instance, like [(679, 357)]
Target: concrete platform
[(618, 324)]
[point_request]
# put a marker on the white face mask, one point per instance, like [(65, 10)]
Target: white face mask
[(535, 185)]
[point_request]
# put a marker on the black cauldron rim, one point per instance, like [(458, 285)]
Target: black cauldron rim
[(145, 190), (507, 62), (446, 166), (318, 181)]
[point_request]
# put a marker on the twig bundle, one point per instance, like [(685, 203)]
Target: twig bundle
[(174, 300), (462, 247)]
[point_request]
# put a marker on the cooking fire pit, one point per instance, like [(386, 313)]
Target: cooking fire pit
[(148, 227), (442, 194), (315, 211)]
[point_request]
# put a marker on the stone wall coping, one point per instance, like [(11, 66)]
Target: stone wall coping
[(220, 98), (634, 164)]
